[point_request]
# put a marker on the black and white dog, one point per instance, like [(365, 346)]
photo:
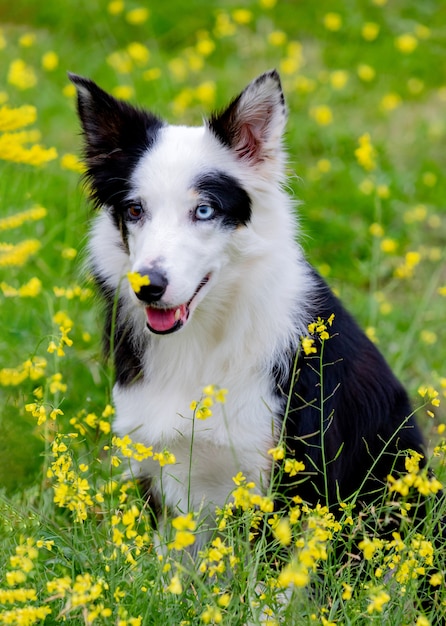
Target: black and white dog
[(203, 213)]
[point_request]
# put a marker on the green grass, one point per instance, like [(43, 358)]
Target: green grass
[(357, 227)]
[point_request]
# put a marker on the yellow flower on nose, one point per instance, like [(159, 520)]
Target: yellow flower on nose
[(137, 281)]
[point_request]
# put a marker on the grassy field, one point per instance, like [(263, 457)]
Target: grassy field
[(365, 82)]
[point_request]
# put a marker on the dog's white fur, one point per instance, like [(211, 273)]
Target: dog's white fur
[(244, 317)]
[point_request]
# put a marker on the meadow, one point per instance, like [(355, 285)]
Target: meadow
[(365, 83)]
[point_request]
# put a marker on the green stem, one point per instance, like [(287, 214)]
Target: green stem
[(322, 425)]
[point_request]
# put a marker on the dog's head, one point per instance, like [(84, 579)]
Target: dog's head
[(178, 198)]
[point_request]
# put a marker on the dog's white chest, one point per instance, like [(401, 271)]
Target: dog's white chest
[(208, 453)]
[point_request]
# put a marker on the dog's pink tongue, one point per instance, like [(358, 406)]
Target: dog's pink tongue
[(162, 320)]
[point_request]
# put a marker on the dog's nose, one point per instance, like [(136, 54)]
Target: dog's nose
[(155, 289)]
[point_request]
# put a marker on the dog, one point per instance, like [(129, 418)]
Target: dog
[(226, 297)]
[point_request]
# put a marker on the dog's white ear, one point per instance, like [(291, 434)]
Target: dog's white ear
[(254, 122), (111, 127)]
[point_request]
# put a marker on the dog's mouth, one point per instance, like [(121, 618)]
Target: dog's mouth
[(162, 320)]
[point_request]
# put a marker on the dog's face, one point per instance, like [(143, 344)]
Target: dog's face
[(180, 197)]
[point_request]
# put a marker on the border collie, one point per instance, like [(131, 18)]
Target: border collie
[(200, 214)]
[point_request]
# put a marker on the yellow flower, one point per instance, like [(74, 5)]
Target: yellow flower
[(14, 118), (71, 162), (152, 74), (175, 586), (406, 43), (415, 85), (436, 579), (27, 40), (120, 61), (205, 46), (224, 600), (366, 153), (292, 466), (428, 336), (370, 331), (277, 38), (377, 601), (138, 52), (332, 21), (429, 179), (21, 75), (183, 539), (338, 79), (164, 458), (383, 191), (370, 31), (347, 593), (137, 16), (322, 114), (366, 72), (277, 453), (123, 92), (205, 92), (282, 531), (412, 462), (17, 255), (184, 522), (293, 574), (242, 16), (50, 61), (324, 166), (115, 7), (388, 245), (370, 546), (211, 614), (376, 230), (137, 281), (390, 101), (308, 345)]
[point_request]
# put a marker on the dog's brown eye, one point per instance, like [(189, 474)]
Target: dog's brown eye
[(134, 211)]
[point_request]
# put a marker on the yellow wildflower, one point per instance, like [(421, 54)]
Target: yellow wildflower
[(282, 531), (406, 43), (21, 75), (175, 586), (139, 53), (370, 31), (137, 281), (308, 345), (50, 61), (242, 16), (137, 16), (71, 162), (366, 72), (322, 114), (366, 153), (115, 7), (377, 601), (348, 590), (390, 101), (292, 466), (17, 255), (332, 21), (14, 118), (338, 79), (293, 574)]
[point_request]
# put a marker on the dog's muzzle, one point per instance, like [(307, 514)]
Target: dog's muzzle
[(163, 320)]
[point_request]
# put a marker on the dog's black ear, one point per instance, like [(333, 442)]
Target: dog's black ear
[(111, 127), (254, 122)]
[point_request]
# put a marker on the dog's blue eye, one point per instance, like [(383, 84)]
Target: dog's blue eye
[(134, 212), (204, 212)]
